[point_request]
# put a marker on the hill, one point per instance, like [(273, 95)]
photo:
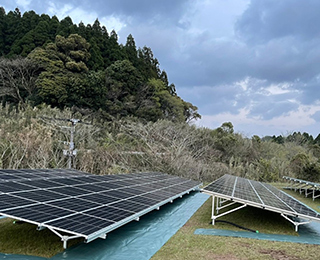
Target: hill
[(44, 60)]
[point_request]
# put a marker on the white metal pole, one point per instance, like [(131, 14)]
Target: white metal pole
[(212, 215)]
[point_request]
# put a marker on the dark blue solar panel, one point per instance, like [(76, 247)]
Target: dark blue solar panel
[(129, 206), (74, 204), (117, 194), (80, 203), (40, 195), (110, 213), (69, 191), (13, 201), (259, 194), (81, 223), (40, 184), (13, 186), (143, 200), (97, 198), (90, 187)]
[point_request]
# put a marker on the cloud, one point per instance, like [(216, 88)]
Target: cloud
[(280, 125), (264, 21), (141, 10)]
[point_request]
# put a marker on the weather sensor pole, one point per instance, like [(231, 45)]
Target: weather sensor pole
[(72, 152)]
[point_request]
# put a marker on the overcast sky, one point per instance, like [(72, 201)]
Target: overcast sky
[(255, 63)]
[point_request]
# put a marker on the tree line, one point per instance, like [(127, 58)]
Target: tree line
[(44, 60), (297, 137), (28, 139)]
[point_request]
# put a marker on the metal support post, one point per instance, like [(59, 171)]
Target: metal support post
[(64, 239), (214, 217), (296, 224), (213, 209), (225, 206)]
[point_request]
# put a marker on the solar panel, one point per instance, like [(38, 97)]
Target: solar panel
[(259, 194), (82, 204), (307, 187)]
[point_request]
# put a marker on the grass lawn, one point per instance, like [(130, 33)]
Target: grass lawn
[(26, 240)]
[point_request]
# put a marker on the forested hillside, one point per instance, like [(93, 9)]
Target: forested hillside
[(44, 60), (56, 69)]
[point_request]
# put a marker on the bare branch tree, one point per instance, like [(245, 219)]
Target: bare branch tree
[(18, 77)]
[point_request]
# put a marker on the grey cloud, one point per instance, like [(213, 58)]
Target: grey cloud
[(143, 11), (267, 20), (270, 108), (310, 92)]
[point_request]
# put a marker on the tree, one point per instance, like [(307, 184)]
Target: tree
[(66, 27), (53, 28), (123, 81), (171, 87), (96, 60), (73, 51), (133, 84), (131, 50), (2, 30), (114, 50), (64, 61), (13, 20), (190, 112), (96, 29), (34, 38), (17, 78), (148, 65), (225, 140), (172, 107), (278, 139)]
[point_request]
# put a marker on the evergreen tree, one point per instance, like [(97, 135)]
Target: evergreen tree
[(131, 50), (148, 65), (96, 29), (13, 20), (2, 30), (66, 27), (53, 28), (82, 30), (64, 61), (113, 49), (96, 61)]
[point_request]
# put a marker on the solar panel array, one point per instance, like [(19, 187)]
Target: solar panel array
[(259, 194), (307, 187), (310, 183), (84, 204)]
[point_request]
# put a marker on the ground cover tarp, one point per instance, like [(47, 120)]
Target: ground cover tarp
[(136, 240), (308, 234)]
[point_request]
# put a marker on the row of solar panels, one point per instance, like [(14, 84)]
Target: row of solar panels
[(260, 195), (83, 204), (295, 180), (90, 206), (308, 187)]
